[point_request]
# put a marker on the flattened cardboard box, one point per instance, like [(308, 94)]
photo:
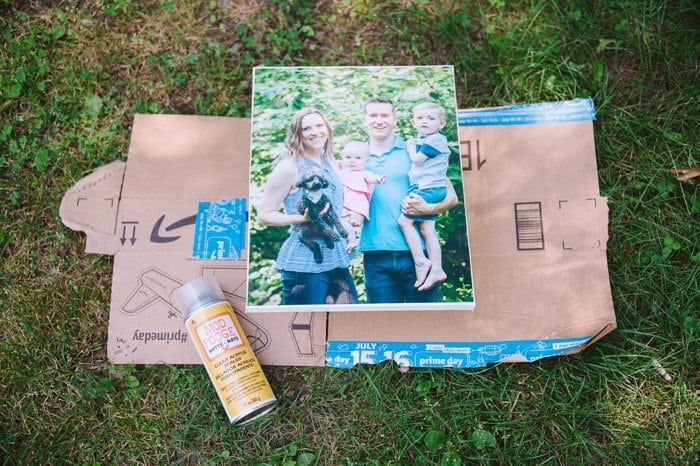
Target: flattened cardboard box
[(538, 233)]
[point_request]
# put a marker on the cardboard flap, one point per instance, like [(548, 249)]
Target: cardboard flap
[(533, 188), (174, 163), (145, 326), (179, 168), (91, 205), (524, 224), (187, 157)]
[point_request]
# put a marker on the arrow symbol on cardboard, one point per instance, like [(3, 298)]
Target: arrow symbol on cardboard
[(133, 232), (157, 238)]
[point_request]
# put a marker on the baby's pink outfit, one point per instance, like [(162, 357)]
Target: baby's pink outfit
[(357, 192)]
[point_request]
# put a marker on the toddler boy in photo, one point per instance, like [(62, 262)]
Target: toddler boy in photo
[(430, 156), (358, 185)]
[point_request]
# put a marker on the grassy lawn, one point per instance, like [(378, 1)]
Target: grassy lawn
[(74, 73)]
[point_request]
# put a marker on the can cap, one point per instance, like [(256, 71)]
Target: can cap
[(197, 293)]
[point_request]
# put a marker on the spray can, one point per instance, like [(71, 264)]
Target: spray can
[(224, 349)]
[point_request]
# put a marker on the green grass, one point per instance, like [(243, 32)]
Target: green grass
[(73, 74)]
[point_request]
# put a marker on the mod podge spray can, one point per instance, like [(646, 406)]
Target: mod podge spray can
[(228, 357)]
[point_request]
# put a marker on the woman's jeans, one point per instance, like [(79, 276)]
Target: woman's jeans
[(332, 287)]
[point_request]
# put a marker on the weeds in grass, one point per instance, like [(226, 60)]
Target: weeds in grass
[(73, 74)]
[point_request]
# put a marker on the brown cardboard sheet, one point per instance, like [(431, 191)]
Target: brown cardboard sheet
[(537, 227), (538, 233)]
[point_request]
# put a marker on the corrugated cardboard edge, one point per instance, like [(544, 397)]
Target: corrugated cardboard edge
[(99, 233)]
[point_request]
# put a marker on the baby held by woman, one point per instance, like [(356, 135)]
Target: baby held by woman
[(358, 184)]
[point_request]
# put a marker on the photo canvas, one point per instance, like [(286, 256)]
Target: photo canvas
[(356, 191)]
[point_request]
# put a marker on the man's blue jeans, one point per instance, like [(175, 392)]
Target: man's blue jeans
[(332, 287), (390, 276)]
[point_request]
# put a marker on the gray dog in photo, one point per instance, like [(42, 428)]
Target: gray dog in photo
[(326, 227)]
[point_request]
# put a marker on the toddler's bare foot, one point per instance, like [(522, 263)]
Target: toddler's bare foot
[(422, 270), (433, 278)]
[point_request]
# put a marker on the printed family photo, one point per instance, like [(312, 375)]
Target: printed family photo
[(356, 191)]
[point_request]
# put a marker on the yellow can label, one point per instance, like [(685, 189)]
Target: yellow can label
[(229, 359)]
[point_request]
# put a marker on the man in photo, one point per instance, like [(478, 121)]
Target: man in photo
[(389, 270)]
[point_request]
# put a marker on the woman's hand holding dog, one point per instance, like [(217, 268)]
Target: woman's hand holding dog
[(323, 212)]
